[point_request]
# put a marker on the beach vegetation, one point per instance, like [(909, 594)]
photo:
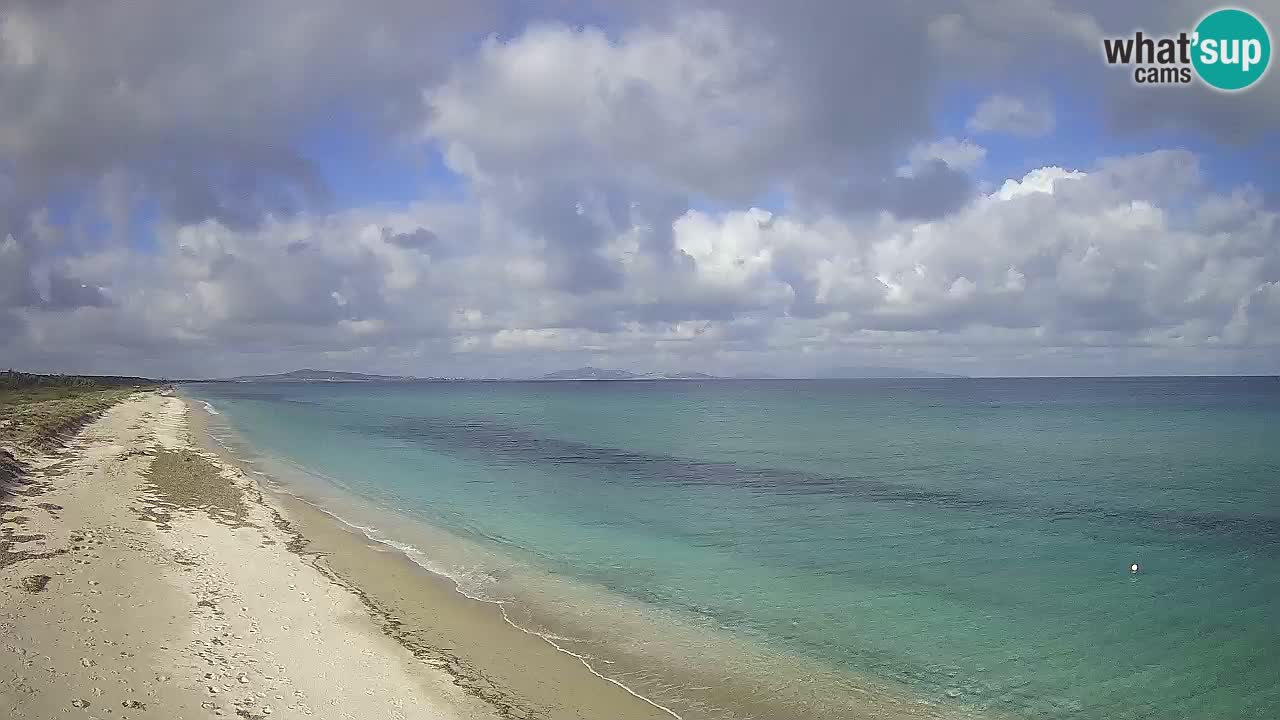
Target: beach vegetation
[(37, 411)]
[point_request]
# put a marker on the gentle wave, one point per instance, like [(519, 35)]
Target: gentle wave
[(209, 408), (467, 585)]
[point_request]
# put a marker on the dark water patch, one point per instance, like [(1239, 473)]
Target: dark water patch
[(497, 443)]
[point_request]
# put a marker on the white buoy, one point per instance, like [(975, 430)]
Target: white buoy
[(1133, 568)]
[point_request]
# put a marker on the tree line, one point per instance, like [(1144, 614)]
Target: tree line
[(13, 380)]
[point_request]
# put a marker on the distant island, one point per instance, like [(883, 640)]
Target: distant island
[(308, 375), (593, 373), (861, 372)]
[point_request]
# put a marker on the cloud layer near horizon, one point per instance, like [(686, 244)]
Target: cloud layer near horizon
[(159, 214)]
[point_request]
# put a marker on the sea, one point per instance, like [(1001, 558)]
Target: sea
[(1101, 549)]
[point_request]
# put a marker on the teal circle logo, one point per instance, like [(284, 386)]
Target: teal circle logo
[(1232, 49)]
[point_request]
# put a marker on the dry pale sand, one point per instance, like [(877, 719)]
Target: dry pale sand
[(142, 576)]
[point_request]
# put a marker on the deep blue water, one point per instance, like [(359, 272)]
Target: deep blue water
[(967, 540)]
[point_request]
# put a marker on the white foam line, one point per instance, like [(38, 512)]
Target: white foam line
[(587, 665), (209, 408), (410, 551)]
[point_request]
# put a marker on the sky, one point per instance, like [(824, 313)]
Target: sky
[(503, 189)]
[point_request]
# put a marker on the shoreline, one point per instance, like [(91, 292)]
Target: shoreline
[(362, 535), (397, 588), (520, 673), (151, 579)]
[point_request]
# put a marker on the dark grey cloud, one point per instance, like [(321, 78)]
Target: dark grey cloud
[(67, 292), (235, 184), (848, 117), (933, 190), (10, 328), (420, 239), (202, 105), (17, 288)]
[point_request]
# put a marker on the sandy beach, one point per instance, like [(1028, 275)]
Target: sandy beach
[(142, 575)]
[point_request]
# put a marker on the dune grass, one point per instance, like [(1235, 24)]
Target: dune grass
[(39, 415)]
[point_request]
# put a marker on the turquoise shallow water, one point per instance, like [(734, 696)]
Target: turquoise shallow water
[(966, 539)]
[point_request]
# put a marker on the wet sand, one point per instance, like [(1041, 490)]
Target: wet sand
[(144, 576), (518, 674)]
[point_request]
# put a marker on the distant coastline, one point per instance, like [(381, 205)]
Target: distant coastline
[(586, 373), (594, 373), (309, 375)]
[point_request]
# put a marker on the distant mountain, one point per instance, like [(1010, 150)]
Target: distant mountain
[(880, 372), (309, 375), (683, 376), (593, 373), (589, 373)]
